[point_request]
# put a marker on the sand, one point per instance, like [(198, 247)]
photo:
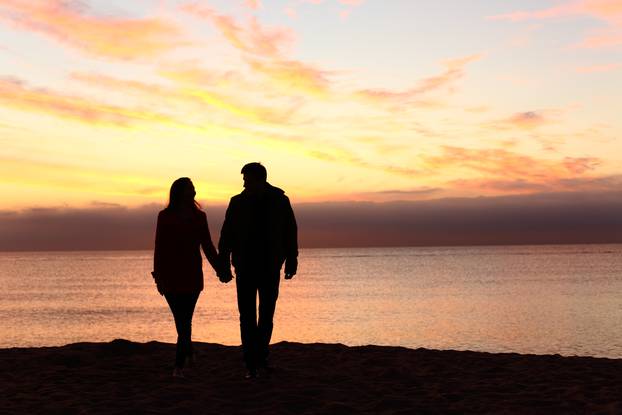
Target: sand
[(123, 377)]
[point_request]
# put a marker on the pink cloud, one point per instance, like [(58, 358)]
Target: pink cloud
[(294, 75), (599, 68), (454, 71), (191, 89), (253, 4), (344, 14), (509, 171), (558, 11), (16, 95), (252, 37), (603, 38), (291, 12), (118, 38), (580, 165), (607, 11), (526, 120)]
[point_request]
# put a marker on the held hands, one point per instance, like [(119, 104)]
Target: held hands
[(291, 266), (225, 278), (223, 268), (224, 274)]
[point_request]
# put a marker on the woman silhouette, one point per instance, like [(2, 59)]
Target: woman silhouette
[(177, 270)]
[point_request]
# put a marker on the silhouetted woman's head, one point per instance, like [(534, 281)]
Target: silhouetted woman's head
[(182, 195)]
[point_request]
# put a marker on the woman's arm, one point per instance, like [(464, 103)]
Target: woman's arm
[(206, 243), (157, 252)]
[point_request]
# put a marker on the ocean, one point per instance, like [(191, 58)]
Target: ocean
[(549, 299)]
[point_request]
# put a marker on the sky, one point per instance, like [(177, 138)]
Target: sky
[(103, 103)]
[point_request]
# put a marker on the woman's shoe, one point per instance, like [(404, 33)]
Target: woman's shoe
[(178, 373)]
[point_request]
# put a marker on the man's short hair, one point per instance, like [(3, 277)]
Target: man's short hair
[(256, 171)]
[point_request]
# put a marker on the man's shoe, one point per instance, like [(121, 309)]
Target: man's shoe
[(251, 374), (266, 367)]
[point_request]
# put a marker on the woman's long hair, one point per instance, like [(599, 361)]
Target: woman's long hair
[(176, 196)]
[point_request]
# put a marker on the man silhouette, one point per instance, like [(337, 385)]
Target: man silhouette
[(258, 235)]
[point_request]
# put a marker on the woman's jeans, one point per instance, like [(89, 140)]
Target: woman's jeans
[(182, 307)]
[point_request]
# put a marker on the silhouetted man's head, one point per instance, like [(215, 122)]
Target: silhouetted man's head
[(255, 176)]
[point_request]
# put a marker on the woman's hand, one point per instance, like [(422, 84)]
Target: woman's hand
[(224, 274)]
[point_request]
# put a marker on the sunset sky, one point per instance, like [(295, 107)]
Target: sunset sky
[(106, 102)]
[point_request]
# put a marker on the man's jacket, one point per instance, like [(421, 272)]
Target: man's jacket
[(259, 232)]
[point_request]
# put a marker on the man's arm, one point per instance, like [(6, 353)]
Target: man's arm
[(225, 246), (291, 241)]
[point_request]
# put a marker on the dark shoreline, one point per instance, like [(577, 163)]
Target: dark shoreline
[(127, 377)]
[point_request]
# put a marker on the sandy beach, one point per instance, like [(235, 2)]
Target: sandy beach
[(123, 377)]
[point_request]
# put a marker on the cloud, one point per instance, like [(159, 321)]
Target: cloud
[(117, 84), (580, 165), (237, 107), (290, 12), (70, 229), (530, 186), (253, 4), (610, 67), (192, 88), (454, 71), (293, 75), (251, 38), (553, 218), (110, 37), (603, 38), (194, 74), (342, 156), (534, 219), (607, 11), (553, 12), (417, 192), (505, 170), (17, 95), (528, 120), (400, 194), (344, 14), (76, 177)]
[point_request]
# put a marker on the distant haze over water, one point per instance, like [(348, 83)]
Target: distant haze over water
[(527, 299), (554, 218)]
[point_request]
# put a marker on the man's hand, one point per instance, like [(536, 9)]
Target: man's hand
[(225, 278), (225, 275), (291, 266), (223, 268)]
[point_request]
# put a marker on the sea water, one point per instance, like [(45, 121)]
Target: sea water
[(564, 299)]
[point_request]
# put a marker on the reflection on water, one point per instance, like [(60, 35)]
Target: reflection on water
[(527, 299)]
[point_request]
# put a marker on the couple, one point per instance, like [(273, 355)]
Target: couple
[(258, 235)]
